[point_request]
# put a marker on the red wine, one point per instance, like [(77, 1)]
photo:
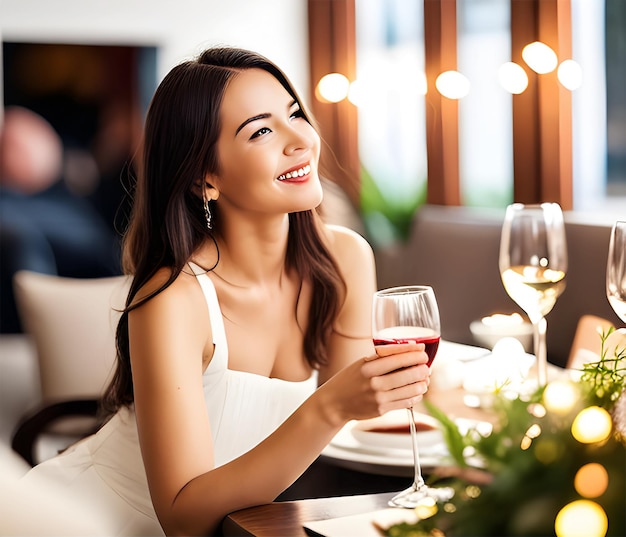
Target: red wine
[(420, 427), (431, 343)]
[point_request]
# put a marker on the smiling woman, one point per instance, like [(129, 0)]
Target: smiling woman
[(247, 323)]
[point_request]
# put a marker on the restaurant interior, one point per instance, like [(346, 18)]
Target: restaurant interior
[(436, 117)]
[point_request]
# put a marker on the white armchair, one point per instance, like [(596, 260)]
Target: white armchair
[(72, 322)]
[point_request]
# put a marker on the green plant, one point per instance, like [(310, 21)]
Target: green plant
[(606, 377), (524, 476), (387, 218)]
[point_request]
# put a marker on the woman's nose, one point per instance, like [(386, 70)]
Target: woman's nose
[(297, 141)]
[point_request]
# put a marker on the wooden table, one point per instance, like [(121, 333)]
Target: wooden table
[(280, 519)]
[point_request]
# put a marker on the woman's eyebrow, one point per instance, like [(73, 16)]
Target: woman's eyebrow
[(250, 120), (260, 116)]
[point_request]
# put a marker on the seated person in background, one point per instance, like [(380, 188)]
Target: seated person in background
[(245, 344), (43, 226)]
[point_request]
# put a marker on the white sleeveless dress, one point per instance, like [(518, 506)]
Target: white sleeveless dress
[(106, 469)]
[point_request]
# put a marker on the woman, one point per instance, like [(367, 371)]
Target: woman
[(241, 300)]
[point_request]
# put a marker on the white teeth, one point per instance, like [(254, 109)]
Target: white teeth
[(296, 173)]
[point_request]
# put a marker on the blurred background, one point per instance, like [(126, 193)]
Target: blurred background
[(496, 128)]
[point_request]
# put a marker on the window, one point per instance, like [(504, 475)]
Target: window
[(485, 113), (599, 106), (391, 114)]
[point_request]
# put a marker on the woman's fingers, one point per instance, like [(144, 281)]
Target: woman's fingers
[(399, 380), (392, 362), (403, 396), (401, 377)]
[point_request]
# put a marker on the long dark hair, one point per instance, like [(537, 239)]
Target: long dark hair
[(167, 222)]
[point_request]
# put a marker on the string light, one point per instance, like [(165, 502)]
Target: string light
[(332, 88), (570, 74), (592, 424), (591, 480), (560, 396), (452, 84), (513, 78), (581, 518), (540, 57), (335, 87)]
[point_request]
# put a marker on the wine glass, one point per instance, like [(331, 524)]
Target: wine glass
[(403, 315), (616, 270), (533, 264)]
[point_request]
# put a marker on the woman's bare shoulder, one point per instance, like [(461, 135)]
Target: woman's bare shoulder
[(183, 289), (348, 245), (175, 317)]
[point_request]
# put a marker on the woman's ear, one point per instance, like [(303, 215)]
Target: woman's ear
[(210, 192)]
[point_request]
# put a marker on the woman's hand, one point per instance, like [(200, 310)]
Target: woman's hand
[(395, 377)]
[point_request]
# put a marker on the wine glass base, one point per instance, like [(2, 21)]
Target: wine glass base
[(415, 496)]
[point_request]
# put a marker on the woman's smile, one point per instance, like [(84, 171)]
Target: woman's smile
[(296, 175)]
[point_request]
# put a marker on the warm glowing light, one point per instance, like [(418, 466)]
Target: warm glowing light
[(570, 74), (537, 410), (356, 93), (560, 396), (582, 518), (592, 424), (452, 84), (512, 77), (332, 88), (540, 57), (502, 319), (591, 480), (426, 508)]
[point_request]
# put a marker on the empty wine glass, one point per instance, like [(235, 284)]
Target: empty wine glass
[(533, 264), (616, 270), (402, 315)]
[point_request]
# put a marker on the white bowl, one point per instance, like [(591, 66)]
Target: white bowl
[(487, 335)]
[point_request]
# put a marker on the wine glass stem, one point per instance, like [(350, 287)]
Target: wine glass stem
[(418, 480), (539, 329)]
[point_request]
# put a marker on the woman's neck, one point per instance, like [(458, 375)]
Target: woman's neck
[(252, 254)]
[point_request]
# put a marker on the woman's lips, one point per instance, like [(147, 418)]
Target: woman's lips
[(297, 174)]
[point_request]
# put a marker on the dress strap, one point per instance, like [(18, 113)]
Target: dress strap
[(215, 312)]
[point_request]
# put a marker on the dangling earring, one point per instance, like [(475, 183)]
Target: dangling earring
[(207, 214)]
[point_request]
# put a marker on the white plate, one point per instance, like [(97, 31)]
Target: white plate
[(346, 451), (448, 350), (392, 431)]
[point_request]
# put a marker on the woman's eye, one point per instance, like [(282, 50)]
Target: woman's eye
[(260, 132), (297, 113)]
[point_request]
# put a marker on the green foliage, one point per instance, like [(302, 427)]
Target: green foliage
[(455, 441), (527, 464), (387, 219), (607, 376)]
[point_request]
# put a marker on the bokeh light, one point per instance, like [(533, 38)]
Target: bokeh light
[(592, 424), (356, 93), (560, 396), (332, 88), (582, 518), (452, 84), (426, 508), (540, 57), (591, 480), (512, 77), (570, 74)]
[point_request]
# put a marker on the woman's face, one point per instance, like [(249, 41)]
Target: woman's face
[(268, 153)]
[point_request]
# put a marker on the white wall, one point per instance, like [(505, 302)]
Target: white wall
[(180, 28)]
